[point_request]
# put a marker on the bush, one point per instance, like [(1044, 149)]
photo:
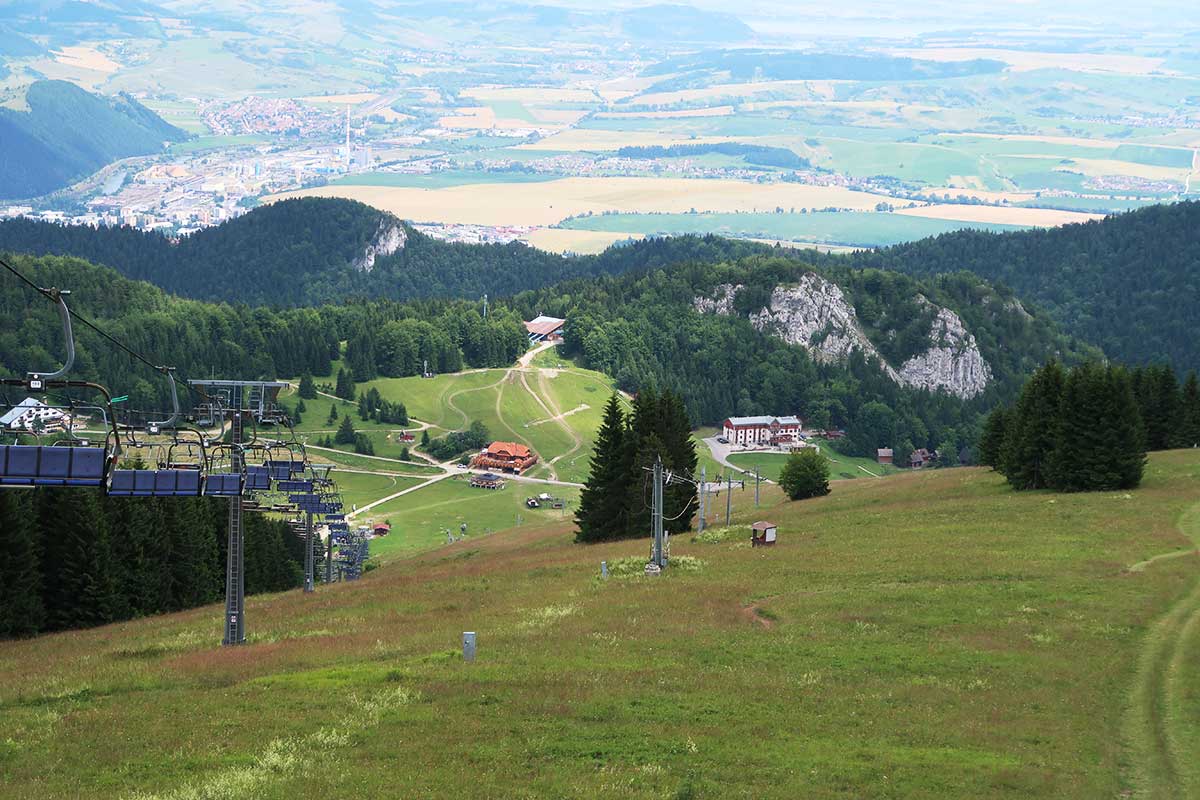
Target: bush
[(806, 474)]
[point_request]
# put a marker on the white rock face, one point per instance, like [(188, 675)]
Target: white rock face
[(815, 315), (388, 239), (952, 363)]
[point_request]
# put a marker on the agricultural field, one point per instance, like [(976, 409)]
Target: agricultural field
[(929, 635), (861, 228), (545, 203)]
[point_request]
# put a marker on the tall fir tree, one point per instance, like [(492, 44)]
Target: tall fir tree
[(991, 441), (345, 384), (1188, 433), (21, 609), (1126, 434), (1081, 460), (679, 508), (308, 388), (602, 504), (1033, 429), (78, 589)]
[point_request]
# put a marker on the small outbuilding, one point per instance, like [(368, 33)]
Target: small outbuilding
[(885, 455), (762, 534), (487, 480), (381, 529)]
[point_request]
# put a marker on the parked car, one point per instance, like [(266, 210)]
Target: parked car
[(722, 440)]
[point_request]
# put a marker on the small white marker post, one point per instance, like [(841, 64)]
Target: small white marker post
[(468, 645), (603, 569)]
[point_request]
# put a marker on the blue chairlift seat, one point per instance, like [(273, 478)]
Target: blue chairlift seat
[(258, 479), (295, 486), (36, 465), (282, 470), (155, 483), (223, 484), (335, 517)]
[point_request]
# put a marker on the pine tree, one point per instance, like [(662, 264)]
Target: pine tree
[(1033, 428), (1188, 433), (425, 437), (1160, 406), (333, 415), (602, 514), (1081, 460), (141, 558), (21, 609), (308, 389)]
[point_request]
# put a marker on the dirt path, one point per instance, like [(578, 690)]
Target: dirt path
[(400, 493), (557, 415), (1159, 732)]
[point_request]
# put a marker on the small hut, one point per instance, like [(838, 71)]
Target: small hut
[(762, 534), (487, 480), (381, 529)]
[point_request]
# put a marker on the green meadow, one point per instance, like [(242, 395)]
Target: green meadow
[(928, 635)]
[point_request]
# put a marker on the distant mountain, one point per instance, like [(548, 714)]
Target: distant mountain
[(315, 250), (678, 23), (1129, 284), (67, 133)]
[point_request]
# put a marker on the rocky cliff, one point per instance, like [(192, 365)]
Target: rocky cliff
[(815, 314), (390, 237)]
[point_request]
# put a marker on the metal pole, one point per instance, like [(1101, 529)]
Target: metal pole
[(329, 558), (656, 515), (701, 488), (235, 586), (728, 496), (756, 480), (308, 552)]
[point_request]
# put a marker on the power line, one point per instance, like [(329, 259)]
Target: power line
[(109, 337)]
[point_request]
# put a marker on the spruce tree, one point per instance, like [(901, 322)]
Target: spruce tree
[(141, 555), (1032, 430), (1188, 433), (991, 441), (345, 431), (78, 588), (1126, 436), (308, 389), (333, 415), (345, 385), (1081, 460), (679, 508), (602, 512), (21, 609)]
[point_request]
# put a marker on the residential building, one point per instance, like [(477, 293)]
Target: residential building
[(32, 414), (506, 457), (762, 430), (884, 455), (542, 328)]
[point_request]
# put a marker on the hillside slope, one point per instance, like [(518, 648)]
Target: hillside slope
[(68, 133), (1129, 284), (317, 250), (932, 635)]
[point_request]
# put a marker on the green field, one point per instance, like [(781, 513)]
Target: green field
[(931, 635), (860, 228), (440, 180), (841, 467), (217, 142)]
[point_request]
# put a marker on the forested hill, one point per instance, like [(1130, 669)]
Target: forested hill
[(1129, 284), (310, 251), (66, 133)]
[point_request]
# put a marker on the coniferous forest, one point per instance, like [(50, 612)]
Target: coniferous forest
[(76, 558)]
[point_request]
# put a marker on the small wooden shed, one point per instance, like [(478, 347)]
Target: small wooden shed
[(762, 534)]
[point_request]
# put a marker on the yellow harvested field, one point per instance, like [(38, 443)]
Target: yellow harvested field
[(531, 96), (580, 139), (1001, 215), (1095, 167), (86, 58), (715, 111), (480, 118), (562, 240), (549, 202), (354, 99), (1028, 60), (619, 88)]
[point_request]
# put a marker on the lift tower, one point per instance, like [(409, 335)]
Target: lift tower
[(238, 400)]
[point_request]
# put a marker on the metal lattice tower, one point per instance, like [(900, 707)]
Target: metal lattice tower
[(236, 399)]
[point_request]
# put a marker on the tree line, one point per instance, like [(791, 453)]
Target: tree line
[(615, 502), (76, 558), (1088, 428)]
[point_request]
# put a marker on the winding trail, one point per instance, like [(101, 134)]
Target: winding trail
[(1161, 729)]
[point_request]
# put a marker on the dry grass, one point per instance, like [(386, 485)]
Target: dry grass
[(545, 203), (88, 58)]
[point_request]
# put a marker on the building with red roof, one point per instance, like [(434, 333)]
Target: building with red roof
[(506, 457)]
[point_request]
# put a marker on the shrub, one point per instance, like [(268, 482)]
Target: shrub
[(806, 474)]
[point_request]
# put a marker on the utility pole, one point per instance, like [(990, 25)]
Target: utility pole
[(728, 496), (656, 555), (702, 489), (308, 552), (757, 477), (329, 558)]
